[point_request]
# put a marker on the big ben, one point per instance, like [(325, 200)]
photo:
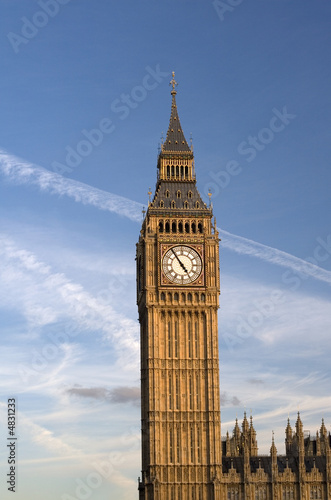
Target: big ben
[(178, 289)]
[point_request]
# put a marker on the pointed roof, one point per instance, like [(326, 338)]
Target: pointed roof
[(175, 140)]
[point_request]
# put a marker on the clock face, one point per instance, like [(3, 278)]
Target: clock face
[(182, 264)]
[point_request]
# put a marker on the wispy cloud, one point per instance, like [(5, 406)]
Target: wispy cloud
[(119, 395), (23, 172)]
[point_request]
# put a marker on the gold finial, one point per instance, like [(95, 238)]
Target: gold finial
[(174, 84)]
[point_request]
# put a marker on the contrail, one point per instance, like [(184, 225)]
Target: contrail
[(23, 172), (246, 246)]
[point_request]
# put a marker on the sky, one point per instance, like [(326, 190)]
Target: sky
[(84, 101)]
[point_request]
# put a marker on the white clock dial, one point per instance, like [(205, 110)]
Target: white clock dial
[(182, 264)]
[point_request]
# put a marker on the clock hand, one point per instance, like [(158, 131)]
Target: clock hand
[(182, 265)]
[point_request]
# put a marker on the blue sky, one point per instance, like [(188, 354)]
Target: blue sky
[(84, 100)]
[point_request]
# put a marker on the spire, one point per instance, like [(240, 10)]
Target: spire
[(175, 140)]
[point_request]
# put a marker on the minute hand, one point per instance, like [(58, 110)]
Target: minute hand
[(181, 264)]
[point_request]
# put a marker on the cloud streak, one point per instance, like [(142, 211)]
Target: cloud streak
[(23, 172)]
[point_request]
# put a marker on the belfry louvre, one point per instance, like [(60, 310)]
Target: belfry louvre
[(178, 287)]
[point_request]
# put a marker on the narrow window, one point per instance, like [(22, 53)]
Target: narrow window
[(196, 339), (198, 445), (176, 297), (181, 171), (197, 391), (172, 171), (200, 227), (178, 444), (197, 205), (177, 171), (167, 227), (180, 227), (168, 171), (187, 227), (176, 339), (167, 194), (189, 340), (171, 457), (189, 297), (192, 445), (162, 296), (186, 172), (189, 194), (177, 393), (174, 227), (161, 204), (185, 204), (161, 227), (194, 228), (179, 194), (173, 204)]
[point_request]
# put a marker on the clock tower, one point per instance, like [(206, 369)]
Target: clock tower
[(178, 298)]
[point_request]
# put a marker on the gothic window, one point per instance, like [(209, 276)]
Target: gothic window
[(197, 391), (172, 171), (189, 194), (196, 297), (179, 195), (197, 205), (178, 444), (180, 227), (192, 444), (315, 492), (177, 171), (185, 204), (176, 297), (186, 172), (161, 204), (203, 297), (168, 171), (194, 228), (167, 227), (183, 298), (190, 390), (189, 297), (177, 393), (161, 225), (196, 339), (181, 171), (173, 204), (288, 493), (171, 446), (176, 339), (187, 227), (200, 227), (233, 494), (198, 445), (260, 493), (189, 340), (167, 194), (162, 296)]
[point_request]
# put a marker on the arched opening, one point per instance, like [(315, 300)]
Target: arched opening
[(161, 227), (161, 204), (163, 296), (167, 227), (186, 172), (172, 171), (177, 171), (194, 228), (168, 171), (180, 227), (200, 227), (187, 227), (174, 227)]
